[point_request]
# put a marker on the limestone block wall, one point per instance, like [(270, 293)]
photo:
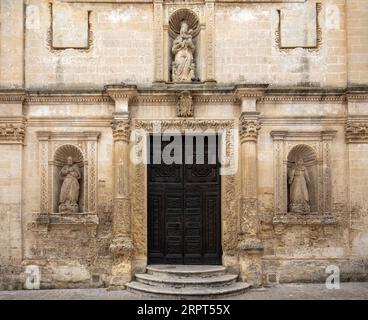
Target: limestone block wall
[(69, 255), (247, 49), (120, 48), (11, 44), (357, 24), (64, 67), (110, 43), (303, 250), (359, 213), (11, 192), (357, 157)]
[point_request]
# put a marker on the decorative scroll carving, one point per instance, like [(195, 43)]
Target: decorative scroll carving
[(92, 176), (210, 47), (248, 128), (185, 105), (12, 131), (44, 177), (356, 132), (121, 129), (158, 38), (249, 226), (122, 221), (185, 124)]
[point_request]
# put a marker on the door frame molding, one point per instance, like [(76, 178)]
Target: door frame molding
[(229, 183)]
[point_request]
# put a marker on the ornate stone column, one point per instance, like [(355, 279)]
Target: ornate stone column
[(250, 246), (12, 139), (210, 41), (121, 246)]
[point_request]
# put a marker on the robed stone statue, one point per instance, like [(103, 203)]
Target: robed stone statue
[(69, 194), (182, 50), (298, 181)]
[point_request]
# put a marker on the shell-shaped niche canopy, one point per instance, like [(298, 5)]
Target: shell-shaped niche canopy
[(304, 152), (180, 15), (65, 151)]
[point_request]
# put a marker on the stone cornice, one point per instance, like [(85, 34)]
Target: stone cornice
[(170, 2), (301, 120), (357, 94), (121, 92), (67, 98), (12, 96), (309, 135), (201, 93), (304, 94), (84, 135), (253, 91)]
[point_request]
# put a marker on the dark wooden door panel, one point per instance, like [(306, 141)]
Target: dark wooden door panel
[(184, 208)]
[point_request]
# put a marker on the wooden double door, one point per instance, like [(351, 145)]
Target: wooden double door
[(184, 224)]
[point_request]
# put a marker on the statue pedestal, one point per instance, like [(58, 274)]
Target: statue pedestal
[(250, 261)]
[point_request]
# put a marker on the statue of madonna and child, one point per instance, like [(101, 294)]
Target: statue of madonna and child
[(183, 67)]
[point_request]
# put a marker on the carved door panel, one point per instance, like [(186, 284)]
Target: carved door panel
[(184, 207)]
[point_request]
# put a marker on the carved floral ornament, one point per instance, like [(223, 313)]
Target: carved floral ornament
[(356, 132), (12, 131), (185, 105), (121, 129), (248, 128)]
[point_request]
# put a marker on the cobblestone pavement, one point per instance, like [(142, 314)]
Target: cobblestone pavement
[(282, 292)]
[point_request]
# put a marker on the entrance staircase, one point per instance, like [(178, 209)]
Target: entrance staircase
[(187, 282)]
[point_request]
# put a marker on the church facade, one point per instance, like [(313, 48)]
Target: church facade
[(280, 88)]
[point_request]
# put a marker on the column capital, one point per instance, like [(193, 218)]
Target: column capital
[(122, 94), (249, 125), (121, 126)]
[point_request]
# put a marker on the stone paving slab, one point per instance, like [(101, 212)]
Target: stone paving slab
[(282, 292)]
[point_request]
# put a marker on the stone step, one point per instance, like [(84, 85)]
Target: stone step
[(186, 270), (187, 292), (193, 281)]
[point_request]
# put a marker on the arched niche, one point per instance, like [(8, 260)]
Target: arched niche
[(60, 159), (174, 25), (309, 157)]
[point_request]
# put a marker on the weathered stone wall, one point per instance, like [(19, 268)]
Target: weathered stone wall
[(303, 249), (68, 255), (122, 41), (11, 44), (357, 39), (121, 46), (108, 42), (247, 49)]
